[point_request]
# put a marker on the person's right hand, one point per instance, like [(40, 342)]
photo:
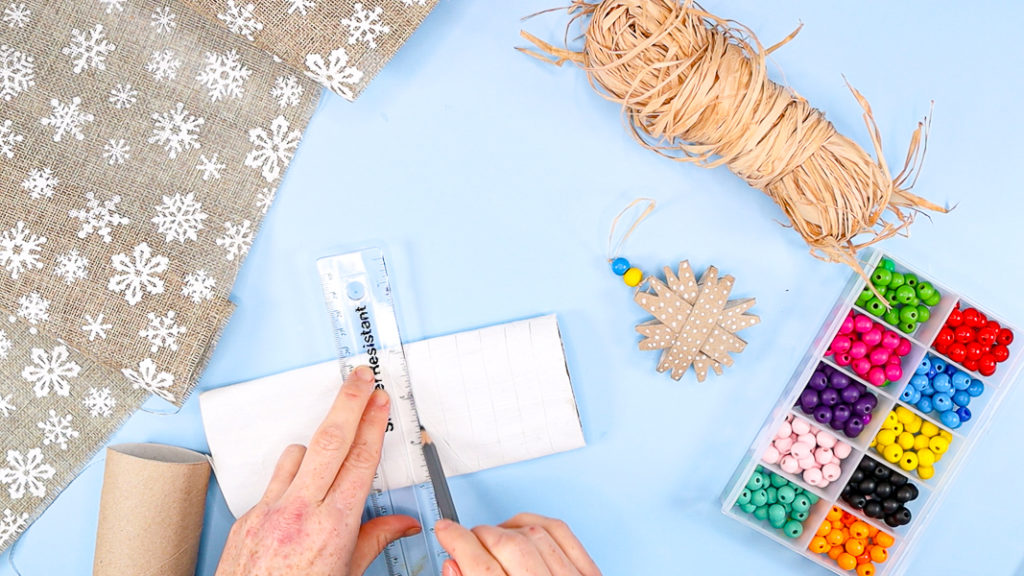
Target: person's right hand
[(526, 545)]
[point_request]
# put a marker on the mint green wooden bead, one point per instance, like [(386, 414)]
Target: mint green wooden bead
[(777, 515), (801, 503), (761, 513), (756, 482), (772, 494), (743, 498), (786, 494), (759, 497), (778, 480), (897, 280), (748, 508), (799, 516), (812, 497), (793, 529)]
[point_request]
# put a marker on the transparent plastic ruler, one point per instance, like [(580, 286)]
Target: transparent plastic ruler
[(365, 325)]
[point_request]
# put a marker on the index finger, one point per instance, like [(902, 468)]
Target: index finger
[(333, 438)]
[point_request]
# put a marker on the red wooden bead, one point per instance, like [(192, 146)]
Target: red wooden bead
[(956, 351), (987, 365), (964, 334), (987, 336), (970, 317), (945, 337), (1005, 337), (975, 350), (971, 365), (956, 318), (993, 324), (1000, 352)]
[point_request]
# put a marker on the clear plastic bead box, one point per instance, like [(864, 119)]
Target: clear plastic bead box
[(931, 491)]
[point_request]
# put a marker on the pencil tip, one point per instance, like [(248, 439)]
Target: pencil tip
[(424, 435)]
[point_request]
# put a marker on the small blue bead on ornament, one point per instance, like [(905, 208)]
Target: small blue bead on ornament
[(620, 265)]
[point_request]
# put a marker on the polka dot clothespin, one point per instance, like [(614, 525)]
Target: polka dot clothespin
[(694, 322)]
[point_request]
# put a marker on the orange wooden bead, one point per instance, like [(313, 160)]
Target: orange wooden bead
[(863, 559), (859, 530), (848, 518), (835, 551), (846, 561), (872, 531), (834, 514), (878, 554), (884, 540), (866, 569), (824, 529), (837, 525), (819, 545), (854, 546), (836, 537)]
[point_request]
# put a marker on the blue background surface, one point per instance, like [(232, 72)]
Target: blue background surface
[(492, 179)]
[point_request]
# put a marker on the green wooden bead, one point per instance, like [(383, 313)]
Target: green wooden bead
[(881, 277), (748, 508), (915, 302), (888, 265), (773, 494), (892, 316), (907, 327), (875, 307), (904, 294), (910, 280), (934, 300), (890, 296), (778, 480), (801, 503), (908, 314), (897, 280), (777, 515), (761, 513), (793, 529), (786, 494), (865, 295), (923, 314), (744, 497), (759, 497), (924, 290)]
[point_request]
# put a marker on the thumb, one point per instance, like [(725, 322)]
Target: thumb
[(376, 534)]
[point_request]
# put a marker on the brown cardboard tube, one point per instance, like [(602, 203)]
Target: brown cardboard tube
[(151, 511)]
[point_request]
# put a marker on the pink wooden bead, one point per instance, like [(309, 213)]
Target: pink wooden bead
[(872, 337), (801, 426), (825, 440), (862, 323), (823, 456), (831, 472), (904, 347), (842, 449), (808, 463), (890, 340), (844, 359), (771, 455), (893, 372), (847, 326), (861, 366), (876, 376), (813, 431), (808, 439), (841, 344), (784, 431), (879, 356), (858, 349), (783, 445), (894, 358), (789, 464), (800, 450), (813, 476)]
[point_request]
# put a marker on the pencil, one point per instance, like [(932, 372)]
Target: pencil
[(441, 492)]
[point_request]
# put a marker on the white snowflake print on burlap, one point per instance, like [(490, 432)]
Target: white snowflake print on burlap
[(148, 377), (8, 139), (113, 5), (210, 167), (11, 525), (17, 15), (272, 151), (177, 130), (100, 402), (40, 183), (287, 91), (99, 217), (57, 430), (67, 119), (19, 250), (299, 6), (95, 327), (198, 286), (122, 96), (162, 331), (236, 240), (17, 72), (6, 408), (223, 75), (335, 73), (264, 199), (116, 152), (240, 19), (71, 266), (88, 49), (51, 371), (163, 19), (365, 25), (5, 345), (34, 309), (180, 217), (26, 472), (138, 274), (163, 65)]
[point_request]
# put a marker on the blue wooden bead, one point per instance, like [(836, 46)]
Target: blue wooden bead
[(961, 380), (925, 404), (950, 419), (939, 364), (916, 397), (924, 366), (964, 413), (918, 381), (961, 398), (942, 402), (620, 265), (908, 393), (926, 388), (976, 388), (942, 384), (950, 369)]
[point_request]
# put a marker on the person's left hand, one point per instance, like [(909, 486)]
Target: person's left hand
[(308, 521)]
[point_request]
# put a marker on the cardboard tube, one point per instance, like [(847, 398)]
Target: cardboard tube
[(151, 511)]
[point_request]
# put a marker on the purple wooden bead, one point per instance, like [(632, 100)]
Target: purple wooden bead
[(849, 394), (827, 369), (840, 414), (829, 397), (861, 388), (809, 399), (865, 404), (818, 380), (865, 419), (838, 380), (853, 428), (823, 414)]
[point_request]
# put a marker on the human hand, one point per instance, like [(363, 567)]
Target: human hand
[(526, 545), (308, 521)]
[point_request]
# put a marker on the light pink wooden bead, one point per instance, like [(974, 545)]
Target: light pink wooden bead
[(789, 464), (831, 472), (783, 445), (784, 431), (801, 426), (825, 440), (771, 455), (808, 439), (813, 476), (823, 456), (842, 450), (799, 450), (808, 463)]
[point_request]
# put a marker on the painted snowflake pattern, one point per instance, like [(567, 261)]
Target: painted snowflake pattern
[(264, 199), (209, 167), (34, 309), (223, 75), (67, 119), (57, 430), (71, 266), (335, 73), (176, 130), (148, 377), (40, 183), (26, 472), (139, 274), (51, 371), (236, 240), (416, 2), (99, 217), (122, 96), (112, 5), (19, 250), (95, 327), (365, 25), (163, 65), (11, 524), (5, 345), (299, 6), (115, 152), (162, 331), (6, 408), (163, 19), (17, 15), (287, 91), (17, 72), (240, 19), (198, 286), (8, 139), (88, 49), (99, 402), (272, 150), (180, 217)]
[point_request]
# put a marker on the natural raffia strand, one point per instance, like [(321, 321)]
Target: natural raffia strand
[(694, 87)]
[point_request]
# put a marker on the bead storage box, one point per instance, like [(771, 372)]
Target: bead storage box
[(876, 421)]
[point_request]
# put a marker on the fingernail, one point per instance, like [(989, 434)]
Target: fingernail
[(412, 531), (443, 524), (364, 373), (450, 568), (379, 398)]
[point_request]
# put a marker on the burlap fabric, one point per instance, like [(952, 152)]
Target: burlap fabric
[(141, 142)]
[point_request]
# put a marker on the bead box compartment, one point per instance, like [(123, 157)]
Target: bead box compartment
[(931, 491)]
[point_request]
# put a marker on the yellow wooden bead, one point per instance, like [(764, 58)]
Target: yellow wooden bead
[(903, 414), (890, 421), (885, 437), (939, 445), (925, 457), (874, 442), (925, 472), (893, 453), (920, 442), (946, 434), (632, 277), (929, 429), (898, 428), (906, 441), (914, 426), (909, 461)]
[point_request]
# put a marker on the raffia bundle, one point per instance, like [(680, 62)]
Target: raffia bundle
[(694, 87)]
